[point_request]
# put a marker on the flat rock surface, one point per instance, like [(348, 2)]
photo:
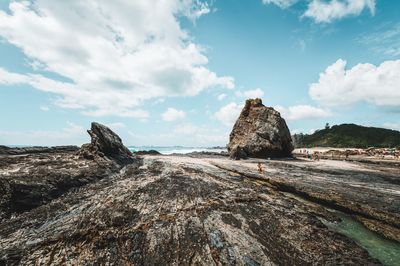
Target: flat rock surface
[(181, 210), (33, 179)]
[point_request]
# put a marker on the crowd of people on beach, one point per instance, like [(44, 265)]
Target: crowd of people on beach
[(381, 153)]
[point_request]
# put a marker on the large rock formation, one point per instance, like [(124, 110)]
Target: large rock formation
[(104, 142), (59, 208), (32, 177), (259, 132)]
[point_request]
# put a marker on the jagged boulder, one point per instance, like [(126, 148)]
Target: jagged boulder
[(105, 143), (259, 132)]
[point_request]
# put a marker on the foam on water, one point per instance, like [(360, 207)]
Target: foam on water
[(175, 149)]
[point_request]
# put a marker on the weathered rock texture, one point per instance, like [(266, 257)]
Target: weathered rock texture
[(104, 142), (259, 132), (28, 150), (60, 208), (176, 211), (31, 177)]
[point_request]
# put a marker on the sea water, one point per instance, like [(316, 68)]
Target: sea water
[(385, 250), (175, 149)]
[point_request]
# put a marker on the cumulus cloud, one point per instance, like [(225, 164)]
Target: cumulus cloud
[(228, 114), (301, 112), (322, 11), (378, 85), (256, 93), (172, 114), (113, 55)]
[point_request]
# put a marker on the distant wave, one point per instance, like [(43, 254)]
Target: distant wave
[(176, 149)]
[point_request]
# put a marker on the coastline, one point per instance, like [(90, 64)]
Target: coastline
[(188, 184)]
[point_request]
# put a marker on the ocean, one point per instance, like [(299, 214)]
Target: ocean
[(175, 149)]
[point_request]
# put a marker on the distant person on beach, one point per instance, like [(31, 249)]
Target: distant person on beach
[(260, 168)]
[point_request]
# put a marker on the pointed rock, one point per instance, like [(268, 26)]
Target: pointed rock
[(105, 143), (259, 132)]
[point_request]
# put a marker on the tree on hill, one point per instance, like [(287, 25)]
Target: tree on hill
[(349, 135)]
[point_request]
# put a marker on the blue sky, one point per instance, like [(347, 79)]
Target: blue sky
[(177, 72)]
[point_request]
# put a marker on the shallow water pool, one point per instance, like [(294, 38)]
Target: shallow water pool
[(386, 251)]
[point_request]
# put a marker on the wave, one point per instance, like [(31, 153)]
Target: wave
[(176, 149)]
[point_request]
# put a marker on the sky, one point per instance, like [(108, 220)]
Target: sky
[(177, 72)]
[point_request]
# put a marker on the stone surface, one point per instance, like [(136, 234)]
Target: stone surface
[(33, 176), (59, 208), (33, 179), (149, 152), (175, 210), (104, 142), (28, 150), (259, 132), (367, 191)]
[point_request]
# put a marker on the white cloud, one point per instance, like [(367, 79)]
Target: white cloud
[(322, 11), (229, 113), (44, 108), (378, 85), (138, 113), (300, 112), (158, 101), (384, 40), (172, 114), (280, 3), (394, 126), (221, 96), (116, 125), (256, 93), (120, 54), (71, 134)]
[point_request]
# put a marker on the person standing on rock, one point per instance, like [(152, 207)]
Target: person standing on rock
[(260, 168)]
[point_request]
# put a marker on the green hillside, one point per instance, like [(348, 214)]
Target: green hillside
[(349, 135)]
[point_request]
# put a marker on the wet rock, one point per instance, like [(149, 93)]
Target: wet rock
[(105, 143), (259, 132)]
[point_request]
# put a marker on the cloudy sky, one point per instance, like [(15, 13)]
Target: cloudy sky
[(177, 72)]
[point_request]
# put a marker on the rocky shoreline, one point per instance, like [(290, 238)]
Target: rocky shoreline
[(102, 205)]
